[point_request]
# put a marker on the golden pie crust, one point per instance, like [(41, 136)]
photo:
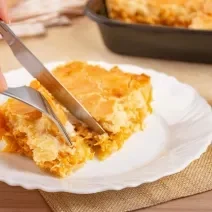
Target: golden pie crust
[(119, 101), (193, 14)]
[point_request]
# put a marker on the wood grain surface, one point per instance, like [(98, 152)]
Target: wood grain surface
[(82, 41), (16, 199)]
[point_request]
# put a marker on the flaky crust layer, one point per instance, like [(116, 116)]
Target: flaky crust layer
[(119, 101), (194, 14)]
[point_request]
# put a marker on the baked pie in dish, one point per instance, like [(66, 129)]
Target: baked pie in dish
[(193, 14), (119, 101)]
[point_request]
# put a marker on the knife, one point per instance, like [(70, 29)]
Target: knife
[(40, 72)]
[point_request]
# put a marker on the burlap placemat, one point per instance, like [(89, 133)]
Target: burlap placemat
[(196, 178)]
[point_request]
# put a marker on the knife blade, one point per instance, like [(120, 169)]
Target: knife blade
[(40, 72)]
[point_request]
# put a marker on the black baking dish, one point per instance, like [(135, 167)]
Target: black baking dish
[(151, 41)]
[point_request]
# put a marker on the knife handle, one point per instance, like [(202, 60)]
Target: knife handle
[(7, 33)]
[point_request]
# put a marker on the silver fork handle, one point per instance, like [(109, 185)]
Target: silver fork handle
[(35, 99)]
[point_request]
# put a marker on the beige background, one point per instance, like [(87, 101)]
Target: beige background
[(82, 41)]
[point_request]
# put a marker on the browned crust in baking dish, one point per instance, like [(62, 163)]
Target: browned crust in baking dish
[(194, 14)]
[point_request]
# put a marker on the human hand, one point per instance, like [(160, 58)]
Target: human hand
[(3, 84), (3, 11), (4, 17)]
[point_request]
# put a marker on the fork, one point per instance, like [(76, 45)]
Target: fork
[(35, 99)]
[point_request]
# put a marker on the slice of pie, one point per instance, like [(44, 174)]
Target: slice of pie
[(118, 101)]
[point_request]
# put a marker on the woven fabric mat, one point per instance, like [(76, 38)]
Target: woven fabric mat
[(195, 179)]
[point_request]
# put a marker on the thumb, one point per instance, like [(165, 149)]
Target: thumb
[(3, 84), (3, 11)]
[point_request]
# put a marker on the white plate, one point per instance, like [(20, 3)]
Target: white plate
[(177, 133)]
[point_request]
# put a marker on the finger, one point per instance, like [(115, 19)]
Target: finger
[(3, 11), (3, 84)]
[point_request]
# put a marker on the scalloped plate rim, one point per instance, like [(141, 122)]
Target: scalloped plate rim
[(23, 184)]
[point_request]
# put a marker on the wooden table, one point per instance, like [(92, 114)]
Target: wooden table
[(83, 42)]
